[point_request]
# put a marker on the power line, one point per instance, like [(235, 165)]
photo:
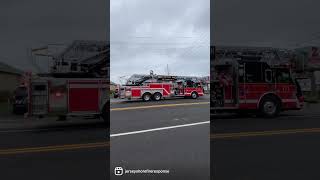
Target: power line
[(155, 43), (194, 48)]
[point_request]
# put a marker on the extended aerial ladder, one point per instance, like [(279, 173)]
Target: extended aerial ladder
[(80, 58)]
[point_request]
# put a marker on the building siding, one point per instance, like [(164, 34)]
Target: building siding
[(8, 82)]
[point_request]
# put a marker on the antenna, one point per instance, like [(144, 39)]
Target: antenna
[(32, 58)]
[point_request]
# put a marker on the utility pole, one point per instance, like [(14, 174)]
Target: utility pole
[(121, 78), (168, 70)]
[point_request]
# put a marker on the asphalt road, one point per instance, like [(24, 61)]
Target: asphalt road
[(76, 151), (167, 135), (251, 148)]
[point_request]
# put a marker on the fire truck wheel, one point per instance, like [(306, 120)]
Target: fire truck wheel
[(146, 97), (269, 107), (194, 95), (157, 96), (62, 118)]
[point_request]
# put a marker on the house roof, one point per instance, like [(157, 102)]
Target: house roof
[(9, 69), (113, 83)]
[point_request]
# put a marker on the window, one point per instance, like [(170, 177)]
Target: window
[(283, 76), (74, 67), (189, 83), (40, 87), (268, 75), (254, 72)]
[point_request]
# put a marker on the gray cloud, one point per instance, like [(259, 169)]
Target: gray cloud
[(285, 23), (148, 35), (33, 23)]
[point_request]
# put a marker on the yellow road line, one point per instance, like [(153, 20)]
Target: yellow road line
[(157, 106), (263, 133), (53, 148)]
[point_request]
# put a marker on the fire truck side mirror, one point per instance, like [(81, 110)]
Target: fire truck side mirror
[(268, 75)]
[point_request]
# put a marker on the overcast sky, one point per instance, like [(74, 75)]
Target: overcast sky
[(177, 30), (151, 34), (33, 23), (280, 23)]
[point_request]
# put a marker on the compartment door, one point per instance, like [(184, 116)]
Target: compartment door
[(39, 98), (83, 97)]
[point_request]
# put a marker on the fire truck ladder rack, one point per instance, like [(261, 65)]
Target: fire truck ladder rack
[(247, 53), (140, 79)]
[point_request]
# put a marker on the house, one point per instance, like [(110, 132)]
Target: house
[(10, 78), (113, 87)]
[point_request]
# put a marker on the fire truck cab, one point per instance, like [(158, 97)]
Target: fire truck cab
[(250, 85)]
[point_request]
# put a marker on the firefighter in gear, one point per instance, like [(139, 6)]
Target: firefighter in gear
[(225, 82), (180, 87)]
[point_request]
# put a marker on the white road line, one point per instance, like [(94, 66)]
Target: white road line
[(158, 129)]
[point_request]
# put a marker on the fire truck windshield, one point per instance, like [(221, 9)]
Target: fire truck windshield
[(283, 75)]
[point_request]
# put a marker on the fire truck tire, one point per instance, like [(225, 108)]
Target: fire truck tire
[(146, 97), (269, 107), (157, 96), (62, 118), (194, 95)]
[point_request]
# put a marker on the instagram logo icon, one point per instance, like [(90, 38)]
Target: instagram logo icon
[(118, 171)]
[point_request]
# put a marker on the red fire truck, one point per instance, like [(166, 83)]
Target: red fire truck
[(67, 97), (161, 87), (247, 84)]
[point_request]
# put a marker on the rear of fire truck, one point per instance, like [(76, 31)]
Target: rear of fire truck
[(60, 97), (132, 88), (145, 90)]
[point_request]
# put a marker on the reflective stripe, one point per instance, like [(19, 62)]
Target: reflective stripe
[(228, 101), (249, 101), (289, 100), (256, 101), (151, 89), (194, 91), (87, 86)]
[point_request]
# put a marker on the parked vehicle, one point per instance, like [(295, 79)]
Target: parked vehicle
[(20, 100)]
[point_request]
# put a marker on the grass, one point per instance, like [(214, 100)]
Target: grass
[(5, 108), (4, 95), (311, 100)]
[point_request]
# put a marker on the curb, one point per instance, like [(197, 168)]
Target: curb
[(117, 102)]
